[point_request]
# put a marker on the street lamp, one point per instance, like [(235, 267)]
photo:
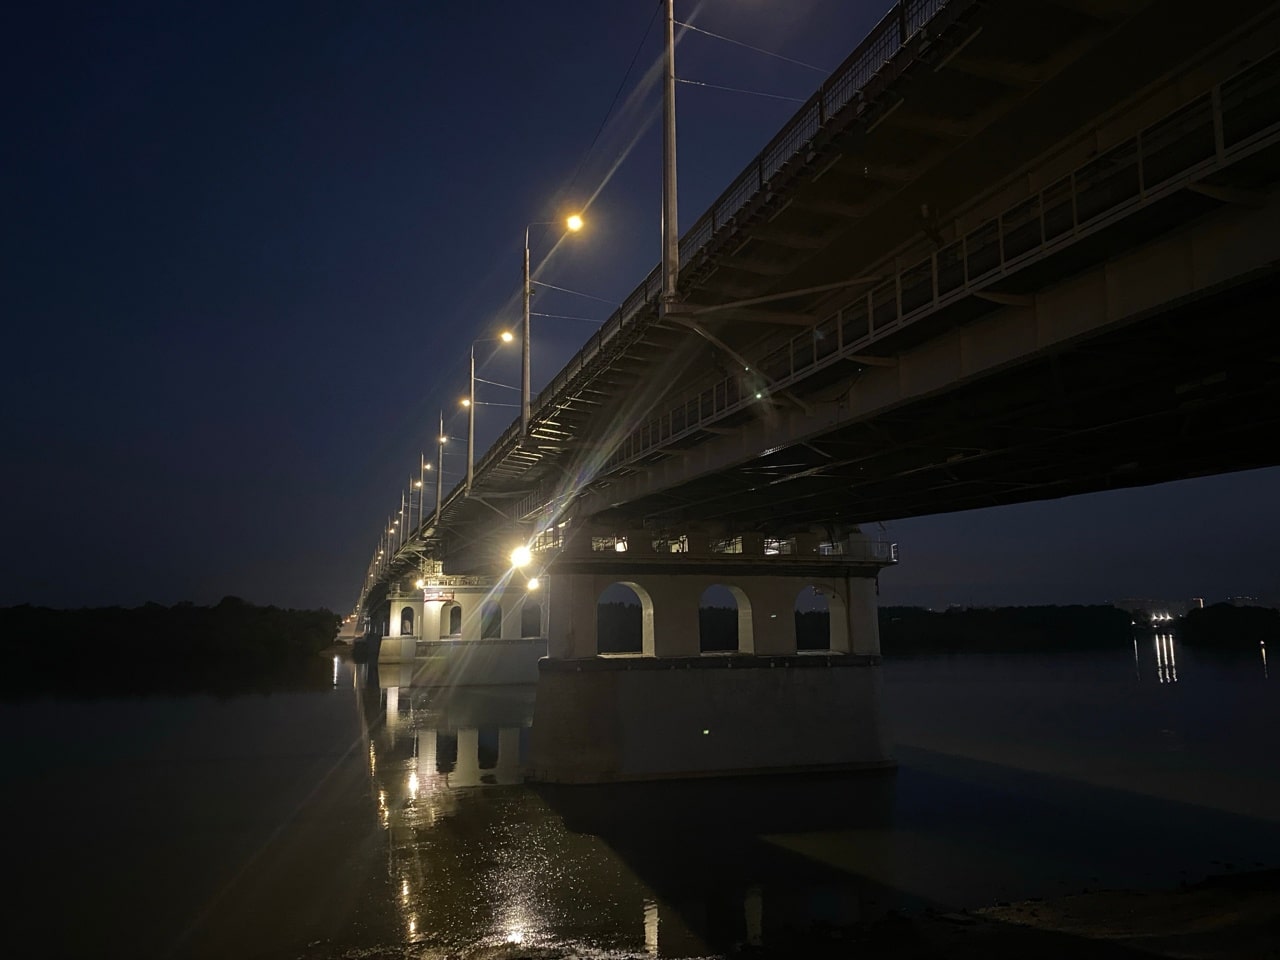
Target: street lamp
[(469, 401), (670, 227), (421, 484), (439, 467), (573, 224)]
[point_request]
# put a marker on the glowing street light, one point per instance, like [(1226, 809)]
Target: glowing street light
[(520, 557), (533, 583)]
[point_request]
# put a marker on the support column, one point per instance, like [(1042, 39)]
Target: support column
[(676, 630), (863, 623), (512, 601), (431, 619), (773, 606), (571, 616)]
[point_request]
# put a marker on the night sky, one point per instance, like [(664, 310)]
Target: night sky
[(247, 248)]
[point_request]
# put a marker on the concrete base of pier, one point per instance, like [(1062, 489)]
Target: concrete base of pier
[(442, 663), (608, 719)]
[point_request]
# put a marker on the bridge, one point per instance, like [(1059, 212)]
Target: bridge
[(1008, 251)]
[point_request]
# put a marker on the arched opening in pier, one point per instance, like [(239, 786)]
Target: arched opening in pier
[(406, 622), (624, 620), (450, 619), (490, 620), (820, 620), (531, 619), (724, 620)]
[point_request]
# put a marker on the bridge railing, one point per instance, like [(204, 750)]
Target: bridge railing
[(1211, 130), (845, 85)]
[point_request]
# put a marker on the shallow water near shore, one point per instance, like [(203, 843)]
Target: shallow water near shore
[(370, 819)]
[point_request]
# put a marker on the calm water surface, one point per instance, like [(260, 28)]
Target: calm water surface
[(379, 819)]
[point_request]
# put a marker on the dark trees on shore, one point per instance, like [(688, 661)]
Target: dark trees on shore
[(153, 648)]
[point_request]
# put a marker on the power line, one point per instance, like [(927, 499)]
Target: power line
[(754, 93), (767, 53)]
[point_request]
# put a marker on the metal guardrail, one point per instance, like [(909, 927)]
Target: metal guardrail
[(1208, 132)]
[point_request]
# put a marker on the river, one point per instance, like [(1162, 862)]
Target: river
[(365, 820)]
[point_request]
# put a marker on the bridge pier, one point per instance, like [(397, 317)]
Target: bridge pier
[(673, 710), (462, 629)]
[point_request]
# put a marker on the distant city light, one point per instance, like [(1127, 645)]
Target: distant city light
[(574, 223)]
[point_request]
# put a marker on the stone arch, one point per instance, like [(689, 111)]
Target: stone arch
[(531, 619), (450, 619), (624, 620), (490, 620), (406, 621), (724, 620), (821, 623)]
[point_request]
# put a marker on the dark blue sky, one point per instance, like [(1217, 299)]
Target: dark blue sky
[(246, 248)]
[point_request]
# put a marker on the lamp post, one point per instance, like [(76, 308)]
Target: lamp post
[(470, 403), (423, 467), (573, 224), (670, 228), (439, 468)]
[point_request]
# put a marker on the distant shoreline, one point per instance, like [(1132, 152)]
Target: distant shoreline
[(231, 647)]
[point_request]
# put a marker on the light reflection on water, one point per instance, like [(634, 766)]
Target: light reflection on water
[(1021, 776), (378, 817)]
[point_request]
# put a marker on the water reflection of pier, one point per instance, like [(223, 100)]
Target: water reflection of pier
[(475, 859)]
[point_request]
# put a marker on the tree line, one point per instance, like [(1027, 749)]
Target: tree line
[(224, 648)]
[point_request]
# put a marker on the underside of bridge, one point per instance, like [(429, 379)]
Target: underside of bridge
[(1184, 393), (1002, 152)]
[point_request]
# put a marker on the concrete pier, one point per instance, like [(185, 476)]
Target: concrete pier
[(671, 710), (462, 629)]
